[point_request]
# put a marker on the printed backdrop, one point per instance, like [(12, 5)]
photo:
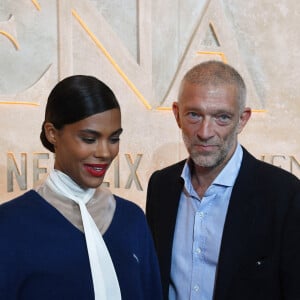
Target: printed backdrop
[(141, 49)]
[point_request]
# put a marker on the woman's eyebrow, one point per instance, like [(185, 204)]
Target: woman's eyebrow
[(97, 133), (90, 131), (119, 131)]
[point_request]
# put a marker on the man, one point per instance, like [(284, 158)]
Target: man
[(226, 226)]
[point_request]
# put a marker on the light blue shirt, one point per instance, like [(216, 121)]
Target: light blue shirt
[(198, 233)]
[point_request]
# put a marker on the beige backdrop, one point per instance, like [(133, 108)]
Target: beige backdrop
[(141, 49)]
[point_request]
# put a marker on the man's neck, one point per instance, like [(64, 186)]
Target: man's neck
[(203, 177)]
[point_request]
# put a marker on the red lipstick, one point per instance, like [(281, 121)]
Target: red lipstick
[(96, 170)]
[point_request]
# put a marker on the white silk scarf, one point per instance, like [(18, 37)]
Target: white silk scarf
[(105, 282)]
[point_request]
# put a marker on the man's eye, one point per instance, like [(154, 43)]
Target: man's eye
[(224, 118), (193, 114), (193, 117)]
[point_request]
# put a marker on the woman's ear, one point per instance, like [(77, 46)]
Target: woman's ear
[(50, 132)]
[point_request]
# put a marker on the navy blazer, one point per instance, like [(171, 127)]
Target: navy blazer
[(260, 248)]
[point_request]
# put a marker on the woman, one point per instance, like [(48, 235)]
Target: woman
[(70, 238)]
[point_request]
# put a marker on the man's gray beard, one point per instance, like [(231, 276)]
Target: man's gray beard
[(209, 161)]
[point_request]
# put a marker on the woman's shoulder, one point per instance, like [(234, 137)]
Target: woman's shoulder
[(20, 201), (25, 205)]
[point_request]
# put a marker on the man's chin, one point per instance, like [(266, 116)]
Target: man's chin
[(204, 162)]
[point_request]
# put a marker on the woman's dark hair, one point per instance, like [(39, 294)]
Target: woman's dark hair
[(75, 98)]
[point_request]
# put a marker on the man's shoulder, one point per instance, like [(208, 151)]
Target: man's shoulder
[(169, 175), (173, 169), (266, 171)]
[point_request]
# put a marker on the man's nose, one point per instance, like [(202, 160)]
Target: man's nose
[(205, 129)]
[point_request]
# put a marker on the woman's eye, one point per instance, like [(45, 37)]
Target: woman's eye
[(115, 139), (88, 140)]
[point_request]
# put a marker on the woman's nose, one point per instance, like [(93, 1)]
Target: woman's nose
[(102, 149)]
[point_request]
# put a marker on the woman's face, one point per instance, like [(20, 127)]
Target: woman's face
[(85, 149)]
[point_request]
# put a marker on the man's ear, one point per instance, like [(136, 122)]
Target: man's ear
[(175, 109), (50, 132), (244, 117)]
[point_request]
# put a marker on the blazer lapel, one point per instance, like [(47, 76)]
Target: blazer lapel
[(239, 219)]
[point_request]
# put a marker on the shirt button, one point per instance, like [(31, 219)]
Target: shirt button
[(196, 288), (200, 214), (198, 250)]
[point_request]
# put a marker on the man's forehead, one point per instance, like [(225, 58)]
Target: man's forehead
[(188, 88)]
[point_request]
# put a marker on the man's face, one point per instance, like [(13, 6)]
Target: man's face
[(210, 119)]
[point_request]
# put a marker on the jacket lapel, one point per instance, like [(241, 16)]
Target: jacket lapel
[(239, 220)]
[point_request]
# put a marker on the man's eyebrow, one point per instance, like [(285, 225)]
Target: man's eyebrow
[(217, 110)]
